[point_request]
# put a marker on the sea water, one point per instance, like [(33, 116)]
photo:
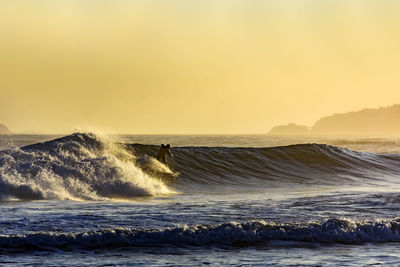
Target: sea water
[(88, 199)]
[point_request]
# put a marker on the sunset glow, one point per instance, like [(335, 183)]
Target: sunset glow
[(186, 67)]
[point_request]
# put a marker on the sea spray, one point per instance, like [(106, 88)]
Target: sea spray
[(81, 166)]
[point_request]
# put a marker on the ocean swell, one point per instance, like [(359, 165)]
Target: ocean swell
[(304, 164)]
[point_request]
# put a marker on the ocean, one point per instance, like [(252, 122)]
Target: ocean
[(256, 200)]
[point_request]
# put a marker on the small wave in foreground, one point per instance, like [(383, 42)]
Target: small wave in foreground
[(341, 231)]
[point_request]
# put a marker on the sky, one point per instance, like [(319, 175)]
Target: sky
[(193, 67)]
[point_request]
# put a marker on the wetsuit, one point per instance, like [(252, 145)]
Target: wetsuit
[(161, 154)]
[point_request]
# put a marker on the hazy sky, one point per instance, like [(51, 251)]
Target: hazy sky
[(193, 66)]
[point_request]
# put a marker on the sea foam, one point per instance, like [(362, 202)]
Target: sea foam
[(80, 166)]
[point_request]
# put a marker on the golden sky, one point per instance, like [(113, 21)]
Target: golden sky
[(185, 67)]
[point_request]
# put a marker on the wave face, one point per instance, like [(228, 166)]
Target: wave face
[(341, 231), (306, 164), (78, 167), (83, 166)]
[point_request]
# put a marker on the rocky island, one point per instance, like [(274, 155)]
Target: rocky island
[(380, 121)]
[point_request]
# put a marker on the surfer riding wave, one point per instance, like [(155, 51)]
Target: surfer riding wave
[(164, 150)]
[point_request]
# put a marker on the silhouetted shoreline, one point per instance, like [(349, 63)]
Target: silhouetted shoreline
[(380, 121)]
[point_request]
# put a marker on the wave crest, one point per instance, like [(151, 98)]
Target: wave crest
[(310, 164), (341, 231), (84, 166), (81, 166)]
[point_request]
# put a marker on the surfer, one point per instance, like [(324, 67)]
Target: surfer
[(164, 149)]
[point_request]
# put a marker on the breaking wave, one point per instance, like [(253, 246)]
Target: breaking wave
[(341, 231), (78, 167), (83, 166)]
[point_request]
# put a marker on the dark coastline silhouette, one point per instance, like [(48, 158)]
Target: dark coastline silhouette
[(380, 121)]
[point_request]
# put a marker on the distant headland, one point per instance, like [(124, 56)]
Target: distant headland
[(380, 121), (289, 129), (5, 130)]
